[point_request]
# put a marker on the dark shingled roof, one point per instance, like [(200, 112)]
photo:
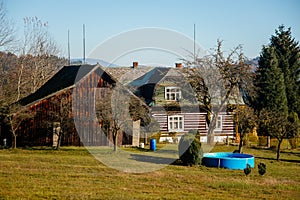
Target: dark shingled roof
[(152, 77), (144, 85), (66, 77)]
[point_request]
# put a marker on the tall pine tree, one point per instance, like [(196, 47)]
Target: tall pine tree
[(288, 54), (277, 81), (270, 83)]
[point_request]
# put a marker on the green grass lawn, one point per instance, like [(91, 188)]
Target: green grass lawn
[(74, 173)]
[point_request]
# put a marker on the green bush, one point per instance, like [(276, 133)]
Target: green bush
[(294, 143), (253, 138), (190, 151), (262, 141)]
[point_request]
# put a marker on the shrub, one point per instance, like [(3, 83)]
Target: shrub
[(247, 170), (262, 141), (193, 131), (190, 151), (262, 168), (253, 138), (293, 142)]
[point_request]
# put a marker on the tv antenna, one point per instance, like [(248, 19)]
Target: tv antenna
[(83, 30), (194, 44), (69, 55)]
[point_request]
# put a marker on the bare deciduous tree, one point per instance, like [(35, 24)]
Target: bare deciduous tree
[(117, 109), (216, 79), (6, 29), (246, 122), (278, 126), (60, 117), (113, 112), (39, 54), (14, 115)]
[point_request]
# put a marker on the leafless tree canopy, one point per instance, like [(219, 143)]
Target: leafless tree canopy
[(217, 79), (23, 74), (37, 40), (6, 29), (278, 125)]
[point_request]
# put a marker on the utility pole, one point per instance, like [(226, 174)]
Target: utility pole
[(83, 44), (194, 44), (69, 55)]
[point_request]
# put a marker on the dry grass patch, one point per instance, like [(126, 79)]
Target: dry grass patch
[(73, 173)]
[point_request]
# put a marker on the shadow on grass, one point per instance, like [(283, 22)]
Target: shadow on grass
[(283, 160), (157, 160), (51, 149), (291, 153), (160, 150), (152, 159), (39, 148), (283, 152)]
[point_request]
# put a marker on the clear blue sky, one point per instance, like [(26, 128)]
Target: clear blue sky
[(246, 22)]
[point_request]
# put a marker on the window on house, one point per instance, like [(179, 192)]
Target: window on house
[(172, 93), (175, 123), (219, 123)]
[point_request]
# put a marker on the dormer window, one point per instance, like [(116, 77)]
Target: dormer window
[(172, 93)]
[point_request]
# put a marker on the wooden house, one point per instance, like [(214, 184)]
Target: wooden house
[(71, 95), (69, 99), (175, 107)]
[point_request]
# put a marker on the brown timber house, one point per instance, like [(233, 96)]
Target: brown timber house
[(69, 97), (175, 107)]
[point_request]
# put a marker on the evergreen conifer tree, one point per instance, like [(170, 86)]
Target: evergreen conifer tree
[(270, 81), (287, 51), (277, 83)]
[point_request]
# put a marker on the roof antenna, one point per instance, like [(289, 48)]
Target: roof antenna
[(194, 45), (83, 43), (69, 55)]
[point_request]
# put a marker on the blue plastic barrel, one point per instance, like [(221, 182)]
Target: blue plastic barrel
[(153, 144)]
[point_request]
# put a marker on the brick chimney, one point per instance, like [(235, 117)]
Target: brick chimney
[(178, 65), (135, 64)]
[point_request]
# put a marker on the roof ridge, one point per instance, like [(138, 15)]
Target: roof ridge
[(65, 78)]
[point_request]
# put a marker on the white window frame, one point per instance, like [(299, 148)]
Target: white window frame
[(172, 91), (175, 123), (219, 123)]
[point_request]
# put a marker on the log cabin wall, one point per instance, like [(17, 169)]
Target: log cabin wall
[(228, 125), (192, 121), (39, 130), (194, 118), (88, 126), (156, 88), (79, 101), (197, 121)]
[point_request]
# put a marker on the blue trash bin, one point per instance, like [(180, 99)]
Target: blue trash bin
[(153, 144)]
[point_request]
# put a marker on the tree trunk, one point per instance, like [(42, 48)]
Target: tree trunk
[(211, 129), (145, 138), (241, 144), (278, 149), (19, 82), (210, 138), (268, 141), (58, 142), (15, 141), (115, 138)]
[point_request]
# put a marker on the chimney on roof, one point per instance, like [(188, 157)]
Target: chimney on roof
[(178, 65), (135, 64)]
